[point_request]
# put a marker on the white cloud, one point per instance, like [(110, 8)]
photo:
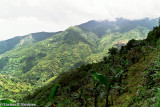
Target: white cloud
[(20, 17)]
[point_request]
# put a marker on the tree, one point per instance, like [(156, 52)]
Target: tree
[(51, 97), (132, 43), (104, 80), (159, 21), (111, 78), (113, 51)]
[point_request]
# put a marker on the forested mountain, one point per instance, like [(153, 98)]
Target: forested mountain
[(20, 41), (121, 25), (37, 59), (128, 77)]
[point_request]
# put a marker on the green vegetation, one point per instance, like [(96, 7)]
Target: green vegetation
[(20, 41), (36, 60), (52, 95), (129, 76), (13, 88)]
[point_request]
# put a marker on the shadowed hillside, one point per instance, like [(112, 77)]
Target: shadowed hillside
[(126, 77), (39, 58)]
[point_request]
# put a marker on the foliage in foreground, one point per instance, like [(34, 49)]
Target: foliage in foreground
[(36, 59), (131, 75)]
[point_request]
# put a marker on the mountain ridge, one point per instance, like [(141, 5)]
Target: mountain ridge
[(126, 77), (42, 61), (20, 41)]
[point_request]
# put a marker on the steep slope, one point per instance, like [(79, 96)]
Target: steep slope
[(59, 53), (133, 78), (13, 88), (41, 61), (121, 25), (47, 58), (20, 41)]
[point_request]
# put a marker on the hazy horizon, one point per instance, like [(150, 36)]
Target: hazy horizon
[(21, 17)]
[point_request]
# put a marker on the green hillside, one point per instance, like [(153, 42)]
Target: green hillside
[(13, 88), (20, 41), (126, 77), (39, 59)]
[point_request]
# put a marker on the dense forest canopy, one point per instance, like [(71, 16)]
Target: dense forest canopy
[(92, 64)]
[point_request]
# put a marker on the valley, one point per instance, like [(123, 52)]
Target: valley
[(33, 61)]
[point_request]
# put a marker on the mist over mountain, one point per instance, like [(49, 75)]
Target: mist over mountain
[(119, 25), (128, 76), (38, 58)]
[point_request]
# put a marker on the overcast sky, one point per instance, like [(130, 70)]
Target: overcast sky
[(20, 17)]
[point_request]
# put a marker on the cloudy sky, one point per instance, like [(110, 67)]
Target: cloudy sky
[(20, 17)]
